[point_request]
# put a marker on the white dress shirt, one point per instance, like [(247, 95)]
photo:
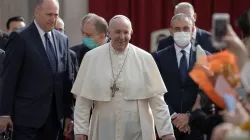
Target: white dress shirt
[(41, 33), (179, 54)]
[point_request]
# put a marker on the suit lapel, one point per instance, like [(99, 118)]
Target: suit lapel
[(173, 58), (56, 43), (37, 39)]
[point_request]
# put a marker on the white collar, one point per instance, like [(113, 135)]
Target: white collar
[(40, 30), (187, 49), (117, 53)]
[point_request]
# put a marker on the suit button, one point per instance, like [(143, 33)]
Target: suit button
[(182, 90), (50, 95)]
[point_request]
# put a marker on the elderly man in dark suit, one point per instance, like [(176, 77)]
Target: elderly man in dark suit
[(174, 64), (35, 93), (199, 36)]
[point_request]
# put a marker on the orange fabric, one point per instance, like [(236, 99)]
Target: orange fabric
[(222, 63), (245, 126)]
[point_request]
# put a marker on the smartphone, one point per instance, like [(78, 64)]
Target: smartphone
[(219, 29)]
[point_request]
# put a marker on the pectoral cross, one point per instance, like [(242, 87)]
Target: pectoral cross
[(114, 89)]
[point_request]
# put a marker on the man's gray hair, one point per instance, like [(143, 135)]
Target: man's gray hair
[(86, 17), (100, 23), (184, 5), (181, 16)]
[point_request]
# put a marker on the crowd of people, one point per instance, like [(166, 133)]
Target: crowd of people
[(109, 89)]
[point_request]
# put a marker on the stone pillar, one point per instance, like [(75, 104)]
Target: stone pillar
[(10, 8), (73, 11)]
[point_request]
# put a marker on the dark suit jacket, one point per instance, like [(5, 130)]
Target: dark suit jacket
[(202, 38), (80, 51), (29, 85), (3, 39), (180, 96), (2, 54), (74, 64)]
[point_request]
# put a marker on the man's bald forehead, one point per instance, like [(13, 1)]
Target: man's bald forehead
[(183, 5), (119, 16), (41, 2)]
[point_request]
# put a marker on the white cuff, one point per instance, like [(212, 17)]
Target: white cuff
[(173, 114)]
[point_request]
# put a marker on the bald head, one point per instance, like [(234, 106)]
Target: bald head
[(59, 25), (46, 14), (185, 8), (120, 19), (41, 2)]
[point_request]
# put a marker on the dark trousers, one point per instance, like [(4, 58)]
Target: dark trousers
[(51, 130), (195, 135)]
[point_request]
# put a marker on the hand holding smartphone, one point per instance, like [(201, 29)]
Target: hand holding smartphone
[(219, 29)]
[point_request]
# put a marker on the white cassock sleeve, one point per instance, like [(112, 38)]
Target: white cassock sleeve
[(161, 115), (81, 115), (245, 76)]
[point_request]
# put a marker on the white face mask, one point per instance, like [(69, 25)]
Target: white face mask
[(182, 39)]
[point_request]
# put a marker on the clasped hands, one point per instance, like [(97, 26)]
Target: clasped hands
[(180, 121)]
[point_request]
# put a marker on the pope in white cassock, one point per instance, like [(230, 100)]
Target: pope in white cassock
[(126, 88)]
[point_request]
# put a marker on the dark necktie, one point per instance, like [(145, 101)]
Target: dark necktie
[(50, 53), (183, 66)]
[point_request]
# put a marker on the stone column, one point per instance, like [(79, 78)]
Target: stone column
[(10, 8), (72, 13)]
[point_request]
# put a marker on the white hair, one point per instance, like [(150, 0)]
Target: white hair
[(184, 5), (120, 16)]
